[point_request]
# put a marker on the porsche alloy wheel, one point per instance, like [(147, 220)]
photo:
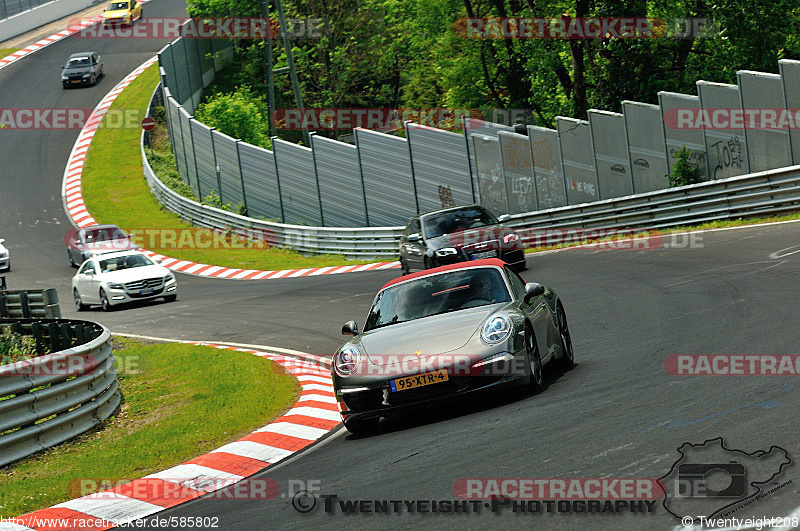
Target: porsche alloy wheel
[(567, 359), (534, 361)]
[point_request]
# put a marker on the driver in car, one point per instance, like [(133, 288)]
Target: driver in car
[(481, 288)]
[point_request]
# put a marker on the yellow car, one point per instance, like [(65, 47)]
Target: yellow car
[(122, 12)]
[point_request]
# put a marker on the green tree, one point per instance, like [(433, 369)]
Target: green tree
[(683, 171), (239, 114)]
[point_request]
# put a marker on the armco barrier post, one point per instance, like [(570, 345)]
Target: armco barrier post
[(241, 176), (316, 177), (277, 178), (194, 159), (216, 164)]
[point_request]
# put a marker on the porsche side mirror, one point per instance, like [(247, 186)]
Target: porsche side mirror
[(504, 218), (532, 290), (414, 237), (350, 328)]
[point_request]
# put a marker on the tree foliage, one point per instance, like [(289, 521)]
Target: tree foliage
[(239, 114), (408, 53)]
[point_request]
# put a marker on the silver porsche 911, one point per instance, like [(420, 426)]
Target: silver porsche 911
[(446, 332)]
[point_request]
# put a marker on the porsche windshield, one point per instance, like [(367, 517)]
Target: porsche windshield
[(442, 293), (456, 220), (119, 263)]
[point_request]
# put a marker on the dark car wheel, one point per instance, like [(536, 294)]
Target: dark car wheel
[(362, 426), (567, 359), (170, 298), (403, 267), (93, 80), (427, 262), (105, 302), (71, 261), (79, 305), (534, 362)]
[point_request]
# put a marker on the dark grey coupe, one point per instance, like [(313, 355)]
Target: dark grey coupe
[(446, 332)]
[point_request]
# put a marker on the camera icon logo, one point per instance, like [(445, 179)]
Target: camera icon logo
[(713, 480), (708, 479)]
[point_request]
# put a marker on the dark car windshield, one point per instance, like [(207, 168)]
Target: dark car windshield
[(105, 235), (119, 263), (456, 220), (79, 61), (442, 293)]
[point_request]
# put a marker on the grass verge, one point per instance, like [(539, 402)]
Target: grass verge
[(7, 51), (115, 191), (179, 401)]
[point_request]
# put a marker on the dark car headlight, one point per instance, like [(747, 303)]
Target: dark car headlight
[(346, 361), (446, 251), (496, 329), (86, 76)]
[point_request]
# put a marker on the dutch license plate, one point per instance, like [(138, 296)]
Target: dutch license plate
[(418, 380), (147, 291), (75, 81), (484, 254)]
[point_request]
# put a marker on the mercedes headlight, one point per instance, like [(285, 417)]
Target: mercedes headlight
[(346, 361), (446, 251), (496, 330), (169, 278), (114, 285)]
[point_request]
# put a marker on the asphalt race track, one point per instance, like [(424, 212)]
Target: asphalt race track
[(616, 414)]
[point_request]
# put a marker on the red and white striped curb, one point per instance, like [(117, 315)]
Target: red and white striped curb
[(73, 201), (314, 415), (47, 41)]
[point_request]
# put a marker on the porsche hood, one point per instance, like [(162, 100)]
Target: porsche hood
[(425, 337)]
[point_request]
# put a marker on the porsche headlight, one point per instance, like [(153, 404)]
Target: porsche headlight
[(446, 251), (346, 361), (496, 330)]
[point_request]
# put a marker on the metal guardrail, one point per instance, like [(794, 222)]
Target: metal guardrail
[(757, 194), (353, 242), (19, 304), (50, 399)]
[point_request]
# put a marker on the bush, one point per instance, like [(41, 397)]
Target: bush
[(240, 114), (683, 171), (15, 347)]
